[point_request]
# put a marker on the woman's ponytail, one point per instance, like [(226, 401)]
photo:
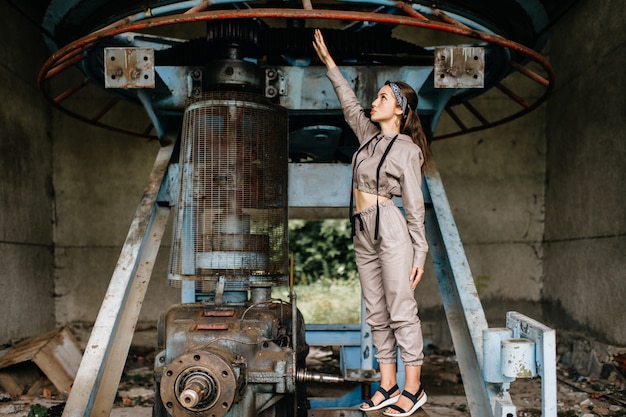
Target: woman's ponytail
[(412, 125)]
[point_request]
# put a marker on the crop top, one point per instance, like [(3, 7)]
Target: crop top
[(401, 170)]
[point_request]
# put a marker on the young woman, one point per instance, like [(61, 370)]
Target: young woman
[(390, 248)]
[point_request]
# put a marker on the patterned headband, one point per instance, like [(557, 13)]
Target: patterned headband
[(402, 101)]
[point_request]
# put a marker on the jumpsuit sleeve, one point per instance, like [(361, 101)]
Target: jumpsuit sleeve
[(413, 202), (353, 112)]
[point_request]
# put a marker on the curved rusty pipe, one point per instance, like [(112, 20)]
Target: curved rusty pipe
[(86, 41), (73, 52)]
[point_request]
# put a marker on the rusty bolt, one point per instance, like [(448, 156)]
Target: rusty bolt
[(270, 91)]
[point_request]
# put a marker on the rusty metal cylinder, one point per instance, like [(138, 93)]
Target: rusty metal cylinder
[(231, 216)]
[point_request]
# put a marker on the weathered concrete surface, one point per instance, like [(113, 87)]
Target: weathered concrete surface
[(26, 194), (100, 177), (585, 236), (495, 184)]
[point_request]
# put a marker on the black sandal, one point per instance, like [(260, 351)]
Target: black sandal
[(417, 403), (384, 403)]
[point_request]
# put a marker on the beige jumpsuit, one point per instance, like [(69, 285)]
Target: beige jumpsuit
[(387, 243)]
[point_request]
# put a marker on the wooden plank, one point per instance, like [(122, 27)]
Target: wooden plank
[(27, 349), (59, 360), (103, 361), (56, 354), (18, 379)]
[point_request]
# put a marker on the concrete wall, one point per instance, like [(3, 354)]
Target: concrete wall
[(26, 193), (99, 180), (585, 242), (494, 180)]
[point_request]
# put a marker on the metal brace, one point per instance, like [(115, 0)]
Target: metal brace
[(460, 67), (275, 83), (129, 68)]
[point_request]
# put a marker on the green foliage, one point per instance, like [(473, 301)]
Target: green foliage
[(326, 300), (37, 410), (321, 249)]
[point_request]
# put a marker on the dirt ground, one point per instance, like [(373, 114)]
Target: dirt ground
[(577, 396)]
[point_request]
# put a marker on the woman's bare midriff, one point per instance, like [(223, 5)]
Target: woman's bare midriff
[(364, 200)]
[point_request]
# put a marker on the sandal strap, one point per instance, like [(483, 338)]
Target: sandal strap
[(387, 393), (369, 403), (397, 408), (413, 397)]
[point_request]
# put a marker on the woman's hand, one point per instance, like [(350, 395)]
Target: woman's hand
[(322, 50), (416, 276)]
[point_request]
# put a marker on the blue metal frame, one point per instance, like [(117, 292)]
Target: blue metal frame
[(464, 311), (348, 337), (466, 317)]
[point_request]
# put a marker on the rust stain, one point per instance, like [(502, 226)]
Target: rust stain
[(218, 313), (210, 326)]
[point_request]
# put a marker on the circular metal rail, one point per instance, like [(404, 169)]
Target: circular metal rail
[(74, 52)]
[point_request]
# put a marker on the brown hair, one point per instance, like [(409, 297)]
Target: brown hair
[(412, 125)]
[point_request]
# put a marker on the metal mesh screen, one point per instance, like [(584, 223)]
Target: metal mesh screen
[(231, 216)]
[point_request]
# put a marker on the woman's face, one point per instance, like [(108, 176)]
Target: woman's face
[(385, 107)]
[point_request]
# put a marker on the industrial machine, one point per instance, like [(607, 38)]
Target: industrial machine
[(232, 91)]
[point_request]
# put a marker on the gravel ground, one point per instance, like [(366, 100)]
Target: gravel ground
[(577, 396)]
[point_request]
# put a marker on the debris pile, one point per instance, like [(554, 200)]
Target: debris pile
[(578, 396)]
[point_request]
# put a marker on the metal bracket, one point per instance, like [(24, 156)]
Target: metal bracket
[(545, 355), (460, 67), (194, 83), (219, 291), (275, 83), (129, 68)]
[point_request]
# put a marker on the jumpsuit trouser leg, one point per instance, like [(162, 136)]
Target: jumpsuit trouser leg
[(384, 266)]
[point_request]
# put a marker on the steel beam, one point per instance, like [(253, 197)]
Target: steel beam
[(464, 311), (95, 386)]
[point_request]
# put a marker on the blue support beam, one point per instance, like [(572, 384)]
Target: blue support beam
[(463, 309)]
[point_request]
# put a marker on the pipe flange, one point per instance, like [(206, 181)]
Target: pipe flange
[(198, 382)]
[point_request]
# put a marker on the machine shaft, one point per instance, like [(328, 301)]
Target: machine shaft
[(196, 389), (304, 375)]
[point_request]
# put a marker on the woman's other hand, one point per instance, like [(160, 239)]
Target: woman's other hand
[(416, 276), (322, 51)]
